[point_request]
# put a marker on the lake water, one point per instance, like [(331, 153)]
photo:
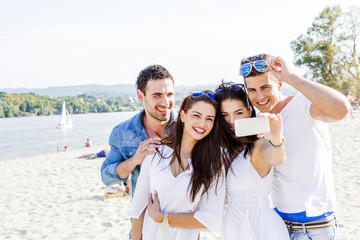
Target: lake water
[(29, 136)]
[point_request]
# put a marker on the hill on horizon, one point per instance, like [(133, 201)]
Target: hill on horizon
[(109, 91)]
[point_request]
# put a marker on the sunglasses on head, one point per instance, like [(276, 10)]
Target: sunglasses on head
[(260, 66), (235, 88), (200, 93)]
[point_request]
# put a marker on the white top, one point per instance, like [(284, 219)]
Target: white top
[(174, 197), (248, 213), (304, 182)]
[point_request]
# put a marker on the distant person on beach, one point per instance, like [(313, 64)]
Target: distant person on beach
[(352, 101), (66, 148), (101, 154), (132, 140), (303, 191), (87, 143)]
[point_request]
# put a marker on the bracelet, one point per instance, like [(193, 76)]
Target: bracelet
[(165, 221), (276, 147)]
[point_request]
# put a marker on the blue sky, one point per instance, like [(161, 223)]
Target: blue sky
[(62, 43)]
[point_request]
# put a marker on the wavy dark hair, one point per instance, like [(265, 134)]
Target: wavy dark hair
[(207, 156), (226, 91)]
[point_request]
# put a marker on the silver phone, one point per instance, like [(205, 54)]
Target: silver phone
[(251, 126)]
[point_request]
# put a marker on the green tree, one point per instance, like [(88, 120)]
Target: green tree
[(318, 49), (92, 107), (14, 105), (3, 94), (23, 106), (351, 38), (9, 110), (102, 107), (2, 114), (329, 49)]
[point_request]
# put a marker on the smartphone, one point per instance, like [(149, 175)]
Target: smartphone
[(251, 126)]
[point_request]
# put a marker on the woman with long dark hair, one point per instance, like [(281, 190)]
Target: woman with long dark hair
[(250, 175), (181, 188)]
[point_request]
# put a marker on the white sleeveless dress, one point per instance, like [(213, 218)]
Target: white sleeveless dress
[(248, 213)]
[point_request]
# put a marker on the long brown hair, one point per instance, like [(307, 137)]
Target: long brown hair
[(206, 156), (226, 91)]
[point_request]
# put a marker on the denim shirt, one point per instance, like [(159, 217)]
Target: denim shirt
[(124, 140)]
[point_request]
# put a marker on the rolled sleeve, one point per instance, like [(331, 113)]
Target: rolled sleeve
[(212, 207), (108, 169), (141, 195)]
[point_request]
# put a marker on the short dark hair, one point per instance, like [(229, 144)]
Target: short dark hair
[(255, 58), (153, 72)]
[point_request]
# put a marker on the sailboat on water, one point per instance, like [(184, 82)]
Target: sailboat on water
[(65, 119)]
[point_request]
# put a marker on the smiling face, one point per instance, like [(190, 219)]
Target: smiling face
[(233, 109), (264, 91), (198, 120), (158, 99)]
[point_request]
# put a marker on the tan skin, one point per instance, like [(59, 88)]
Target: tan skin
[(198, 123), (264, 92), (158, 101), (262, 156)]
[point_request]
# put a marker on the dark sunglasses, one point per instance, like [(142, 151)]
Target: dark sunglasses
[(235, 88), (260, 66), (200, 93)]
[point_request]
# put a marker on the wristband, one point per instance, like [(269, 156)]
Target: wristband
[(276, 147)]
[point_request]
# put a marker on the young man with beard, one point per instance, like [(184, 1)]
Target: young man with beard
[(303, 191), (132, 140)]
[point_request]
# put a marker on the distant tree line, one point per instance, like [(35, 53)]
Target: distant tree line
[(30, 104)]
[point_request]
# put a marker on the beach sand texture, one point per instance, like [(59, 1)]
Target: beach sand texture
[(58, 196)]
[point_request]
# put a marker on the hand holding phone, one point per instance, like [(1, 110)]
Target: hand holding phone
[(276, 128)]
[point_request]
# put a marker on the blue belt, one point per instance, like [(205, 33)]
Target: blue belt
[(301, 217)]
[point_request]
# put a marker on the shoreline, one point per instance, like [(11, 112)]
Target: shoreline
[(58, 196), (41, 155)]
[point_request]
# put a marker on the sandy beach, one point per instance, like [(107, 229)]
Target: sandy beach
[(58, 196)]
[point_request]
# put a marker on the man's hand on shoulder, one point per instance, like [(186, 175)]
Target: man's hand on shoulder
[(145, 148), (125, 168)]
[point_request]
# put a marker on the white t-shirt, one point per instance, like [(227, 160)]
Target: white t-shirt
[(304, 182), (174, 197)]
